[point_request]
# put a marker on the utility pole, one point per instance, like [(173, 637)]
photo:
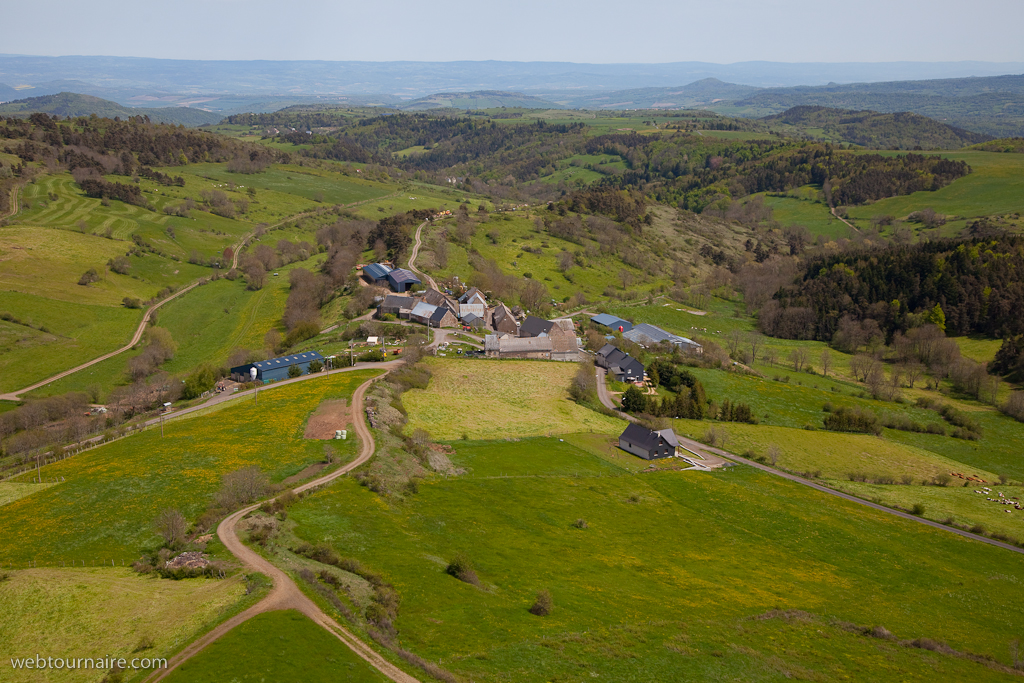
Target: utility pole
[(161, 425)]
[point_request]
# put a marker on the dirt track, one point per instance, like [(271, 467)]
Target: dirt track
[(285, 594)]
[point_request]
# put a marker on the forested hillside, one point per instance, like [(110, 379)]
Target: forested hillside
[(963, 287), (902, 130), (69, 104)]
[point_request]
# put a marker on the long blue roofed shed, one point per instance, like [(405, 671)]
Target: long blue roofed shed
[(277, 368)]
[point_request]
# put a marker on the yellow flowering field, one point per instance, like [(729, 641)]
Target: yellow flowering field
[(104, 507)]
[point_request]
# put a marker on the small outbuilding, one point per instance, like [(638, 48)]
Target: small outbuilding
[(648, 444), (396, 305)]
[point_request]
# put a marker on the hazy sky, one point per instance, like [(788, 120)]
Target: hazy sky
[(721, 31)]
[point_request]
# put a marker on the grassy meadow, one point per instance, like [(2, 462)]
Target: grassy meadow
[(72, 334), (276, 646), (97, 611), (500, 398), (669, 576), (106, 501)]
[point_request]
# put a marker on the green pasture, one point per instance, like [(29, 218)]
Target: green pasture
[(75, 333), (50, 262), (276, 646), (103, 377), (995, 187), (108, 496), (211, 321), (299, 182), (958, 502), (105, 611), (981, 349), (205, 232), (485, 398), (811, 215), (665, 581), (11, 491), (513, 233)]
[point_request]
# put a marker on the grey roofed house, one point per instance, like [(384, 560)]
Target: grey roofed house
[(611, 322), (421, 312), (442, 317), (502, 320), (535, 327), (473, 296), (434, 297), (624, 367), (517, 347), (395, 304), (648, 444), (402, 280), (478, 310), (472, 320), (376, 272), (648, 335)]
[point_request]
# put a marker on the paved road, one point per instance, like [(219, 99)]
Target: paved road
[(416, 252), (285, 594)]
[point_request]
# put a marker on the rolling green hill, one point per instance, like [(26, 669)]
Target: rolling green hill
[(73, 104)]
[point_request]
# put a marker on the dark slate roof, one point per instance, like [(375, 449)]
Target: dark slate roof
[(606, 350), (438, 315), (632, 364), (471, 318), (534, 326), (377, 271), (398, 301), (400, 275), (641, 436), (469, 295)]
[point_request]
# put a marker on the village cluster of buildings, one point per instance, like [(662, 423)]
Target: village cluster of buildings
[(508, 332)]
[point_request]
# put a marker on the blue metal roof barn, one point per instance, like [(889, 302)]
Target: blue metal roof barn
[(612, 322), (276, 368), (376, 272), (402, 280)]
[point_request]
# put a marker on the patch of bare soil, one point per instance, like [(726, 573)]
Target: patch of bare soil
[(329, 417)]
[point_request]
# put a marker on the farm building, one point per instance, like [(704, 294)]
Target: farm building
[(473, 320), (503, 321), (276, 368), (402, 280), (479, 310), (377, 273), (473, 296), (517, 347), (433, 316), (398, 306), (624, 367), (648, 444), (535, 327), (612, 322), (649, 335)]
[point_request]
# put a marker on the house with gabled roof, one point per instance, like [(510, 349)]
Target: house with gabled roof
[(402, 280), (503, 321), (535, 327), (648, 444), (473, 296), (623, 367), (612, 322), (396, 305)]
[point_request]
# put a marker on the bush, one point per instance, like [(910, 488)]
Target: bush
[(89, 277), (199, 382), (542, 605), (130, 302), (844, 419), (918, 509), (295, 371), (580, 524), (462, 569)]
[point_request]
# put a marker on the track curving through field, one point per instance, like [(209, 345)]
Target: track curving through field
[(286, 594), (416, 252)]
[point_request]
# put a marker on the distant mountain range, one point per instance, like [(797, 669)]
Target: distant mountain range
[(74, 104)]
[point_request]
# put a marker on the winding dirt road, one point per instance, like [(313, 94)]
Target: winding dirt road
[(285, 594), (416, 252)]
